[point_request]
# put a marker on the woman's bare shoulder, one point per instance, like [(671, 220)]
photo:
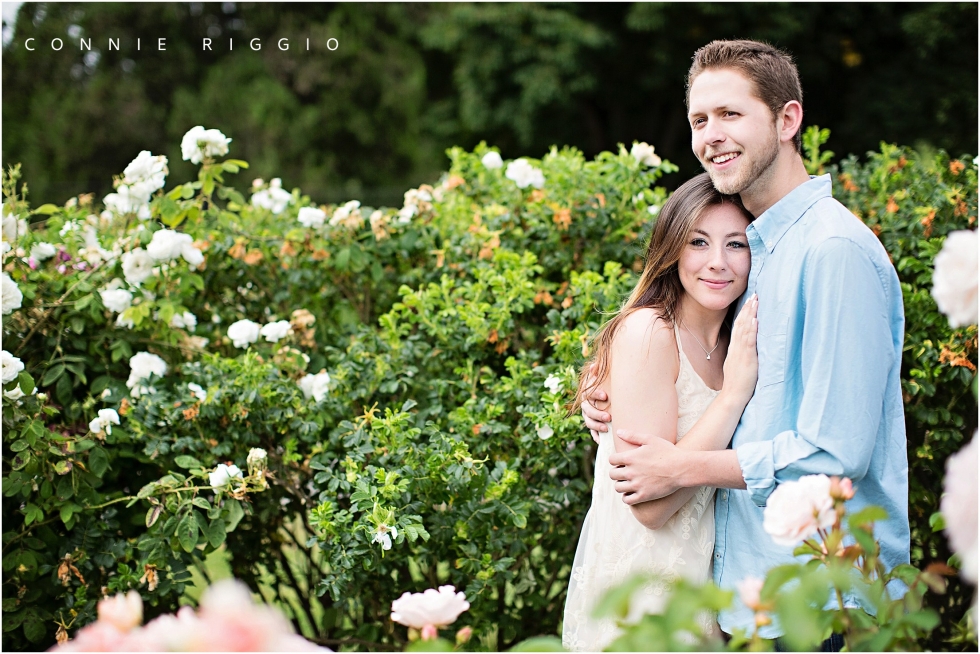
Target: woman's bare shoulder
[(646, 334)]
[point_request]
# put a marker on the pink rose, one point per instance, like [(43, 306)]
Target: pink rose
[(797, 509), (959, 507), (437, 608), (748, 591), (124, 612)]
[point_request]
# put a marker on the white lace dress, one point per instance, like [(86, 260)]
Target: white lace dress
[(614, 544)]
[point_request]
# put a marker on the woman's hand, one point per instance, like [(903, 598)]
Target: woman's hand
[(742, 362)]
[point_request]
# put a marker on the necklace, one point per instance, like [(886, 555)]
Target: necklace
[(707, 354)]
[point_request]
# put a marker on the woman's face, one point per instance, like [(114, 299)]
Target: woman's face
[(714, 264)]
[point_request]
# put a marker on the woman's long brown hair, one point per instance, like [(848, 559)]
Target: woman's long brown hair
[(660, 285)]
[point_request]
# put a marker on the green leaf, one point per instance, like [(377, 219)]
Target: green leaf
[(187, 533), (187, 462), (46, 209), (201, 503), (153, 514), (866, 516), (436, 645), (77, 324), (937, 522), (98, 461), (217, 533), (19, 446), (616, 601), (235, 514), (25, 382), (52, 374), (34, 629), (539, 644)]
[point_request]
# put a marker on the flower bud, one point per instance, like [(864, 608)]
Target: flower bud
[(841, 488), (430, 632), (464, 635), (762, 620)]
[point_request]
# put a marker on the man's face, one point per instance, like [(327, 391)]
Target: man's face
[(733, 133)]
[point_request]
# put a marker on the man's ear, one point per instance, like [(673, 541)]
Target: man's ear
[(791, 117)]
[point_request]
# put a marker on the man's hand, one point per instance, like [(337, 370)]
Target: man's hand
[(648, 472), (595, 419)]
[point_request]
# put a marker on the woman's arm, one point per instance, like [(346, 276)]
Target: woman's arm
[(714, 429)]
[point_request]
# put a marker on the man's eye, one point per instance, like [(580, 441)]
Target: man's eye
[(696, 122)]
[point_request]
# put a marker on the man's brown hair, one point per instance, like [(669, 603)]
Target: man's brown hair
[(770, 70)]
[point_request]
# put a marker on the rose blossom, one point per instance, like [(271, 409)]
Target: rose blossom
[(954, 282), (524, 174), (433, 607), (104, 421), (124, 612), (145, 174), (643, 153), (348, 215), (311, 217), (116, 300), (42, 251), (545, 432), (256, 461), (186, 320), (383, 534), (199, 144), (127, 200), (137, 266), (315, 386), (553, 383), (492, 160), (11, 366), (797, 509), (12, 297), (142, 365), (223, 475), (274, 198), (168, 244), (197, 391), (959, 507), (243, 333), (275, 331), (748, 591)]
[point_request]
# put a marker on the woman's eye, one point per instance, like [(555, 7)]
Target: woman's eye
[(699, 242), (738, 244)]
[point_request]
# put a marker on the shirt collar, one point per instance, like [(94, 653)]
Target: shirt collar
[(777, 219)]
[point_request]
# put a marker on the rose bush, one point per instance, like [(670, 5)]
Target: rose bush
[(405, 371)]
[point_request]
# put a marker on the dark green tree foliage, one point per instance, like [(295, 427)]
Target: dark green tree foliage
[(407, 81)]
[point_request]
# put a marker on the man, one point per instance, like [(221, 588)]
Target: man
[(831, 321)]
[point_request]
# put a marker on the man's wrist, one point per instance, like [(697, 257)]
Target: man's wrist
[(688, 471)]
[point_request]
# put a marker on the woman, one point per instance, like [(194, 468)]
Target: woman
[(676, 371)]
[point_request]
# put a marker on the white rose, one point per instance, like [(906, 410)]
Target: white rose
[(145, 174), (117, 300), (257, 458), (274, 198), (383, 534), (197, 391), (545, 432), (315, 386), (797, 509), (312, 217), (12, 297), (492, 160), (124, 612), (438, 608), (243, 333), (126, 200), (11, 366), (223, 475), (141, 366), (137, 266), (524, 174), (186, 320), (192, 255), (123, 321), (274, 331), (199, 143), (42, 251), (959, 507), (10, 226), (643, 153), (954, 283), (349, 215), (167, 244), (14, 394), (104, 421), (553, 383)]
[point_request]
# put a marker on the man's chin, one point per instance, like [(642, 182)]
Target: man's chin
[(727, 185)]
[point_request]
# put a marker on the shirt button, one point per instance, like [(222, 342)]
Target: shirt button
[(717, 555), (724, 495), (769, 244)]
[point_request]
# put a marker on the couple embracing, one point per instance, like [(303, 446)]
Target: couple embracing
[(763, 342)]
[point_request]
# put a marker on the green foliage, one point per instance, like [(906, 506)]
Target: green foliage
[(438, 325)]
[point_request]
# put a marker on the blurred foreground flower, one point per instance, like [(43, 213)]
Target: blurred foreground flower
[(643, 153), (959, 507), (492, 160), (524, 174), (227, 621), (954, 282), (433, 608), (798, 509)]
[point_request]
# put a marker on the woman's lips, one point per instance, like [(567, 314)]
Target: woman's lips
[(715, 284)]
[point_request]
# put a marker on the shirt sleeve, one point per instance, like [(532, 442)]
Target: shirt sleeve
[(847, 352)]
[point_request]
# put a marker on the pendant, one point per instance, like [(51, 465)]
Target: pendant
[(709, 357)]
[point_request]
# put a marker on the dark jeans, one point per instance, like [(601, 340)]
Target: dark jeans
[(833, 644)]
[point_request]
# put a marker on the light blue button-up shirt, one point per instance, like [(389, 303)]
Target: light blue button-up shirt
[(829, 397)]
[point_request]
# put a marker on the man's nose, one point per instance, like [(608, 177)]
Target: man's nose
[(713, 133)]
